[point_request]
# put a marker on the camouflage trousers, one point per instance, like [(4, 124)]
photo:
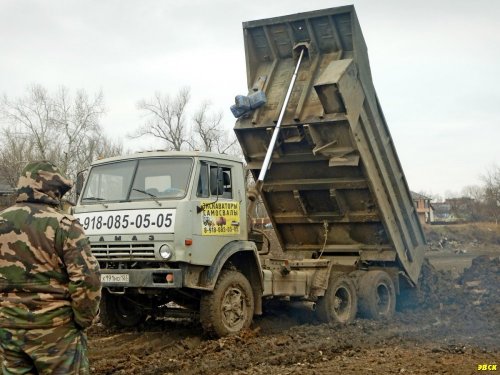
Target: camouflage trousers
[(58, 350)]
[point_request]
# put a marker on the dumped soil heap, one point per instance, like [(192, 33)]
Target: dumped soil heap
[(478, 286), (481, 283)]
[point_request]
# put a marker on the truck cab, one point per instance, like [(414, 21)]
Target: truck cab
[(162, 226)]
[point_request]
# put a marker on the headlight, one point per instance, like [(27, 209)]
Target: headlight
[(166, 252)]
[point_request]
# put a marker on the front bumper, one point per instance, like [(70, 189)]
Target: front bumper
[(142, 278)]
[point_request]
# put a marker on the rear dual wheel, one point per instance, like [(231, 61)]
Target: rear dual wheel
[(339, 304), (377, 295), (375, 298)]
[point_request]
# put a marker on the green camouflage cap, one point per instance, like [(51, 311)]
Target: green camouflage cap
[(42, 182)]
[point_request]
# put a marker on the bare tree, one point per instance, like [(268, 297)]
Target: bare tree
[(165, 118), (433, 197), (62, 128), (209, 132), (475, 206), (14, 154), (491, 181)]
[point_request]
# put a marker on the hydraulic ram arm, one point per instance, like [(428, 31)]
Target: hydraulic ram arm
[(252, 195), (267, 159)]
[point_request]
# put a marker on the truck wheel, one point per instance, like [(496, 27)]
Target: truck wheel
[(229, 307), (377, 296), (119, 311), (339, 304)]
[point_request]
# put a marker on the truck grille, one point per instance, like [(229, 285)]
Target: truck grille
[(131, 251)]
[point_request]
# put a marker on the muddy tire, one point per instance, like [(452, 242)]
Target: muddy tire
[(119, 311), (339, 304), (377, 295), (229, 307)]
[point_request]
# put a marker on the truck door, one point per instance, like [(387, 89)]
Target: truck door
[(217, 219)]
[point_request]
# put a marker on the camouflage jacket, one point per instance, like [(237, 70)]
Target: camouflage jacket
[(48, 276)]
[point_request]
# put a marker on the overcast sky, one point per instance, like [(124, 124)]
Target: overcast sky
[(435, 65)]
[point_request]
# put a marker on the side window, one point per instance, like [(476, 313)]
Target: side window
[(227, 183), (202, 190), (215, 180)]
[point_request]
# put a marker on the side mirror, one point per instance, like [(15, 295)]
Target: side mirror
[(216, 185), (80, 179)]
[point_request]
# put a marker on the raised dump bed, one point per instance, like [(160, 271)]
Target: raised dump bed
[(335, 186)]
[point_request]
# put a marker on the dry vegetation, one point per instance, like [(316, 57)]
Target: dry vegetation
[(477, 233)]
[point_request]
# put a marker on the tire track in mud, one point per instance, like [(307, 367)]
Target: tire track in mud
[(164, 352), (447, 330)]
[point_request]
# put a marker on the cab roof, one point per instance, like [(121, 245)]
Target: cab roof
[(167, 154)]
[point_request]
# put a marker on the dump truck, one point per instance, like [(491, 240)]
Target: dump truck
[(173, 233)]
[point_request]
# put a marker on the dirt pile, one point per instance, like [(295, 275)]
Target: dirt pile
[(478, 286), (481, 283), (436, 287)]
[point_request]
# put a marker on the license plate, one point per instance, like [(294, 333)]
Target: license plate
[(115, 278)]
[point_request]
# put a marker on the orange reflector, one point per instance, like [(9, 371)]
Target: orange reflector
[(169, 278), (188, 242)]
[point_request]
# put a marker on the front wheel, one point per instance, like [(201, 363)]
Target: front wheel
[(339, 304), (119, 311), (229, 307)]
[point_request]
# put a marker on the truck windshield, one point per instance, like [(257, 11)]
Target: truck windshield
[(132, 180)]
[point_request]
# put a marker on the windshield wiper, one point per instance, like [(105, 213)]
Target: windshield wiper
[(155, 198), (145, 192)]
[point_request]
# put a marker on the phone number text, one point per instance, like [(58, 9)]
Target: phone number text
[(123, 221)]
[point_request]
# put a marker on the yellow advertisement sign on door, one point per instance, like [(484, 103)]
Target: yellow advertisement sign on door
[(220, 218)]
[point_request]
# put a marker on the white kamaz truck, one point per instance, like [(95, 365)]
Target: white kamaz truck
[(171, 229)]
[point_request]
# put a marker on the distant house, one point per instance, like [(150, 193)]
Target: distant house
[(423, 206), (442, 211), (462, 208)]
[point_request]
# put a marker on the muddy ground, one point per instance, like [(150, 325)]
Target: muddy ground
[(451, 326)]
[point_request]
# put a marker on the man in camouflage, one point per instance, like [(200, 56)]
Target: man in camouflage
[(49, 280)]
